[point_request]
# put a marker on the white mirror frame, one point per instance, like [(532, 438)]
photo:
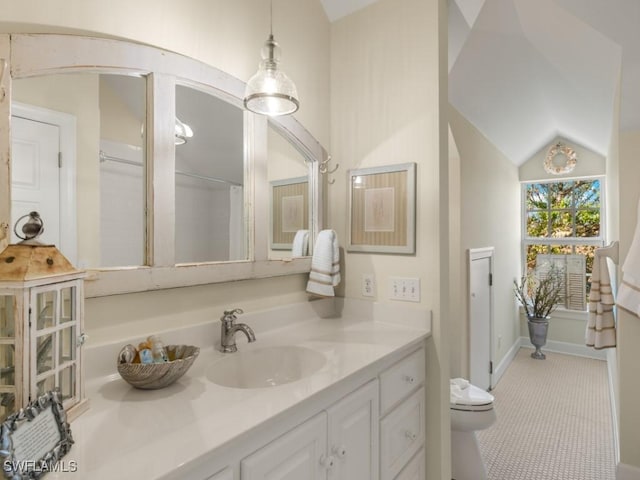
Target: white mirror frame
[(28, 55)]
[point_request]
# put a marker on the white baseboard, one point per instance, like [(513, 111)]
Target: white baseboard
[(504, 363), (612, 370), (567, 348), (627, 472)]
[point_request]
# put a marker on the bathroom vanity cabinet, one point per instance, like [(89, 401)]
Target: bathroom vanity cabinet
[(375, 432), (358, 416)]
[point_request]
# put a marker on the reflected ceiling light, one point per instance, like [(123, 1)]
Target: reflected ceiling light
[(270, 91), (182, 132)]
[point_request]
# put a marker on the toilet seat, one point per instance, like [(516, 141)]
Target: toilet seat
[(471, 399), (472, 408)]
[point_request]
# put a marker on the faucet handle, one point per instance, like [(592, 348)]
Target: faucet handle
[(232, 313)]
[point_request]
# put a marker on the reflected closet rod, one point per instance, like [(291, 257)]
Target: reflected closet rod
[(104, 158)]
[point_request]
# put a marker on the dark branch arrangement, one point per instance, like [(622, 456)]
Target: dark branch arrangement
[(540, 295)]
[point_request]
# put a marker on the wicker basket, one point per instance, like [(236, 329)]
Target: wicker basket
[(151, 376)]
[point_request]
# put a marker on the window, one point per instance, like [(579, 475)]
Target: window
[(563, 224)]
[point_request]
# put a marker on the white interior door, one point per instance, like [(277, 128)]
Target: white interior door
[(480, 317), (35, 175)]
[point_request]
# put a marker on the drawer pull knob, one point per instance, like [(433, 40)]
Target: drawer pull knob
[(409, 379), (410, 435), (327, 461), (339, 451)]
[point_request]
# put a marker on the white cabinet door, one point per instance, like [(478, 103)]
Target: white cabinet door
[(298, 455), (226, 474), (353, 435)]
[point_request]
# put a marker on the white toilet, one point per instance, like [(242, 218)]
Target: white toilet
[(471, 410)]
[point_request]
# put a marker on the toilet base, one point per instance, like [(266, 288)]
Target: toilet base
[(466, 461)]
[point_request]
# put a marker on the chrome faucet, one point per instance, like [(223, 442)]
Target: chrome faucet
[(229, 329)]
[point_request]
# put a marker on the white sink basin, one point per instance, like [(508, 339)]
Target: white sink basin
[(265, 367)]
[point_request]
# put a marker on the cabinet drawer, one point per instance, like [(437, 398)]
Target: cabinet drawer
[(401, 379), (401, 435)]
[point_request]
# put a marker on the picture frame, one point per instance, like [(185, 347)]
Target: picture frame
[(289, 210), (382, 209), (35, 438)]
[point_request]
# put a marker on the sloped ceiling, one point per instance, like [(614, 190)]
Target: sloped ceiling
[(526, 71)]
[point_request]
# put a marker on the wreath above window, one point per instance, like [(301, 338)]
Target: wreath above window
[(570, 159)]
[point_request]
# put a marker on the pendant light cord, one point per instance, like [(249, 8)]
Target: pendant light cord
[(271, 18)]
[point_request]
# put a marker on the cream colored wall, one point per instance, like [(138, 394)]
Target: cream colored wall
[(589, 163), (386, 88), (228, 35), (458, 326), (139, 314), (76, 95), (612, 185), (490, 217), (628, 325), (118, 122)]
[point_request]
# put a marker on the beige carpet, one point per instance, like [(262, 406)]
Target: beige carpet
[(554, 421)]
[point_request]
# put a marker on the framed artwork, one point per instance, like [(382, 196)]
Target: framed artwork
[(382, 209), (289, 210), (35, 439)]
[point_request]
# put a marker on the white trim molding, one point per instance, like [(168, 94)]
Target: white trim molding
[(568, 349), (627, 472)]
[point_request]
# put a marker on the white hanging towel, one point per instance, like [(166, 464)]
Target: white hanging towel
[(300, 243), (601, 326), (325, 265), (629, 291)]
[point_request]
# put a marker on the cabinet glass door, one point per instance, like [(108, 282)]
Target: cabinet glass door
[(8, 310), (54, 341)]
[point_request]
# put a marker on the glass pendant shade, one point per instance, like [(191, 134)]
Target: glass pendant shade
[(270, 91), (182, 132)]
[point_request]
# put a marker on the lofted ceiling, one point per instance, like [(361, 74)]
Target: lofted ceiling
[(526, 71)]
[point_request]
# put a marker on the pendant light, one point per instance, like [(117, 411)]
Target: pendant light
[(183, 132), (270, 91)]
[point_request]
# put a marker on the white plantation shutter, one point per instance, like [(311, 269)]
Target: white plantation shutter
[(576, 282), (574, 279)]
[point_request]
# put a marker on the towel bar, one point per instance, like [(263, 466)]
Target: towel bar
[(612, 251)]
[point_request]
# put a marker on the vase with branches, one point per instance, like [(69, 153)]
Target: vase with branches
[(539, 294)]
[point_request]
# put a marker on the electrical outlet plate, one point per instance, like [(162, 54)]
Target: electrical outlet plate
[(368, 285), (404, 289)]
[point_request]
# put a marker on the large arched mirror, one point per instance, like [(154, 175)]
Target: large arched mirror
[(162, 177)]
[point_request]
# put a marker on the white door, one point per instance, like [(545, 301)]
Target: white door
[(300, 454), (480, 319), (35, 176), (353, 435)]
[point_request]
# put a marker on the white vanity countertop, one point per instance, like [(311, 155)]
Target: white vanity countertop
[(145, 434)]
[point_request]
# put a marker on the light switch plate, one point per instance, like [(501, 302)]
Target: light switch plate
[(404, 289)]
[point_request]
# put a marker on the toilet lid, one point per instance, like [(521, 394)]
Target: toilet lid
[(470, 396)]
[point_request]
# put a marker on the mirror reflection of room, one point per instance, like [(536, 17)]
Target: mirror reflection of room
[(210, 215), (288, 175), (78, 159)]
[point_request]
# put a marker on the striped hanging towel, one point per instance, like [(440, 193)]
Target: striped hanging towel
[(601, 326), (325, 265)]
